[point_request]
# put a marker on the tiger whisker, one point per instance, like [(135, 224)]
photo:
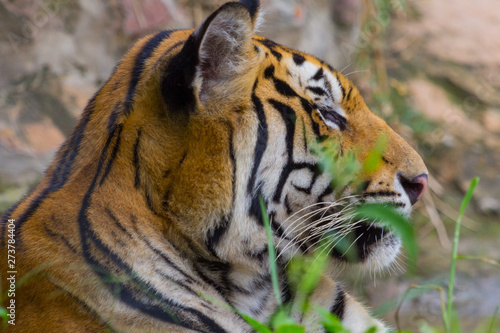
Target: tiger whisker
[(325, 209), (321, 230)]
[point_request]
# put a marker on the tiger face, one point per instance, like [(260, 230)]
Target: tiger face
[(158, 187), (311, 102), (276, 104)]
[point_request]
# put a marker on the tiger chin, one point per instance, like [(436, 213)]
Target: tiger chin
[(148, 219)]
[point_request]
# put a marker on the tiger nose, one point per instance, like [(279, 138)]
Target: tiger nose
[(415, 187)]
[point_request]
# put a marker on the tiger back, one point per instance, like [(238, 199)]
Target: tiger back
[(148, 219)]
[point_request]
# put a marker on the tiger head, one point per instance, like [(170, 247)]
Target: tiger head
[(217, 117)]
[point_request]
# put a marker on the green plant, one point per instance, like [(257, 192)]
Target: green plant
[(451, 285)]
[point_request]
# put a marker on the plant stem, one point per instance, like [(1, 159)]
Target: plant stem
[(454, 256), (272, 252), (493, 320)]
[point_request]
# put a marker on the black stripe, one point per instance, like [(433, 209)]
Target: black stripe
[(269, 72), (309, 109), (380, 193), (233, 162), (135, 159), (156, 250), (277, 228), (288, 208), (338, 307), (167, 260), (288, 115), (348, 94), (286, 291), (221, 270), (283, 88), (114, 116), (258, 255), (214, 235), (255, 209), (319, 75), (276, 54), (70, 149), (298, 59), (139, 64), (272, 47), (307, 190), (162, 309), (62, 170), (341, 86), (261, 143), (63, 239), (317, 90), (149, 201), (182, 158), (327, 191), (117, 222), (113, 155)]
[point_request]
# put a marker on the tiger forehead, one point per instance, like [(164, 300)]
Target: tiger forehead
[(309, 75)]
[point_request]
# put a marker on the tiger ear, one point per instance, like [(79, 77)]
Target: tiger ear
[(216, 62)]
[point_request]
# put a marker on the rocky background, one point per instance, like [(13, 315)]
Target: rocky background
[(431, 68)]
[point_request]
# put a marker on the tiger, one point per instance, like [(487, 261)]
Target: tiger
[(149, 218)]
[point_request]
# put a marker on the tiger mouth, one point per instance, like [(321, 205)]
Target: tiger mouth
[(362, 242), (359, 242)]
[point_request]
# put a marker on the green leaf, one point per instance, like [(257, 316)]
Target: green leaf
[(304, 274), (272, 252), (454, 251), (317, 265), (490, 329), (388, 217), (330, 322), (290, 329), (373, 161), (424, 327), (455, 326), (343, 245), (3, 316), (257, 326), (341, 166), (281, 318)]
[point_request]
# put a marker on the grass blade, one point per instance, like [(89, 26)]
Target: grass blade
[(391, 219), (486, 260), (490, 330), (454, 256), (272, 252)]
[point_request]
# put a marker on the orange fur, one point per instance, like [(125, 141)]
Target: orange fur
[(185, 185)]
